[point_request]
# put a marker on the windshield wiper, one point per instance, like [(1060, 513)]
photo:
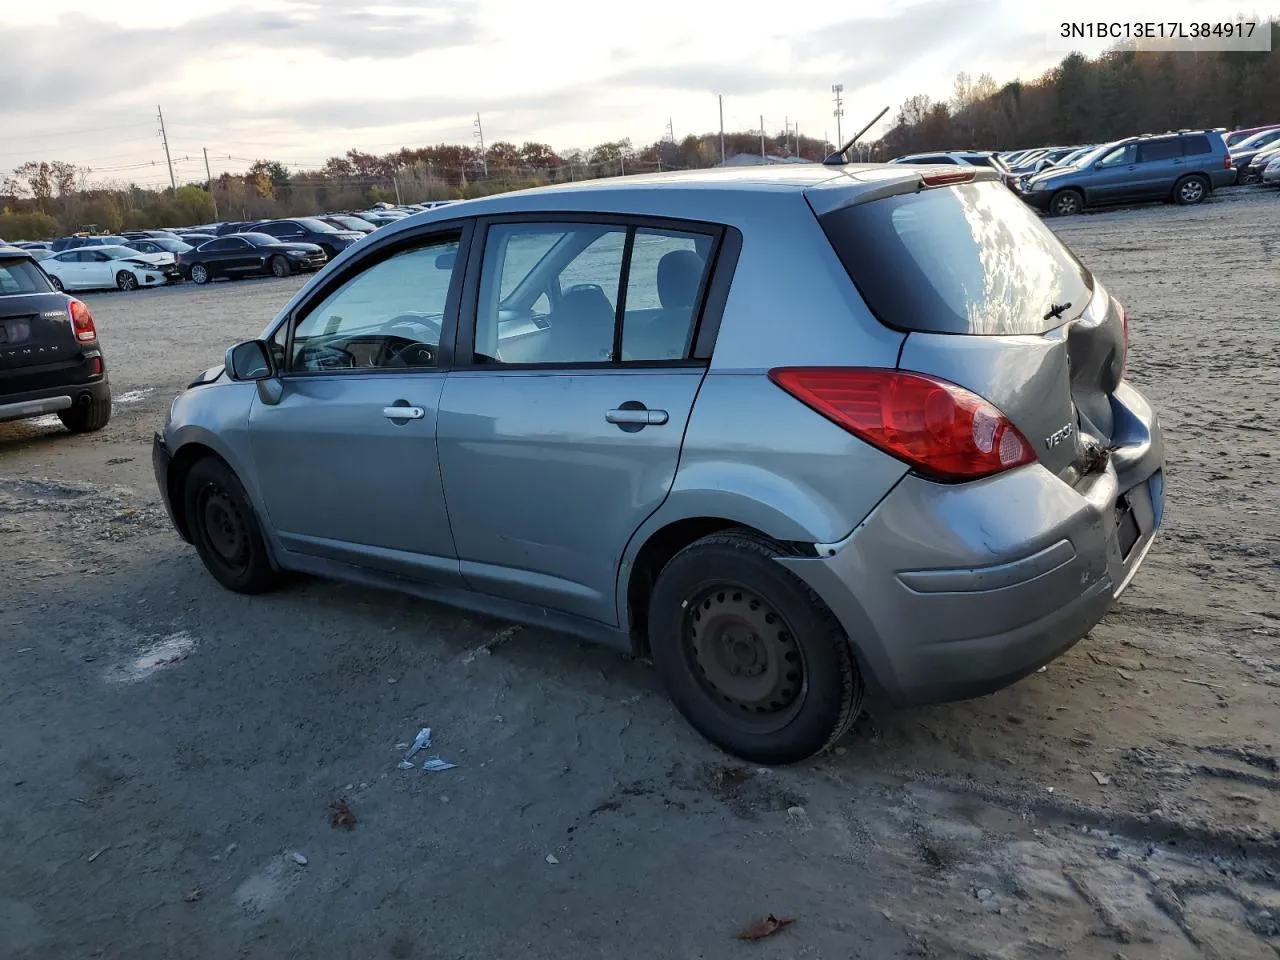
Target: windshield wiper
[(1056, 310)]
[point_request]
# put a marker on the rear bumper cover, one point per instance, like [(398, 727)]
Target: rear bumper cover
[(36, 403), (950, 592)]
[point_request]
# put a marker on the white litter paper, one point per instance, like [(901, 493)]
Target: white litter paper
[(436, 764), (420, 742)]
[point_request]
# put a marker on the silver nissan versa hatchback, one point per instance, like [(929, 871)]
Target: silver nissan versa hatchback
[(801, 435)]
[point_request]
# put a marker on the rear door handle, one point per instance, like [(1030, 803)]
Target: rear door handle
[(641, 417), (403, 413)]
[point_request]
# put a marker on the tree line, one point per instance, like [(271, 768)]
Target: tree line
[(1081, 100)]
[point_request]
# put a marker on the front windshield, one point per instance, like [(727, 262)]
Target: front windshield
[(171, 246), (117, 253)]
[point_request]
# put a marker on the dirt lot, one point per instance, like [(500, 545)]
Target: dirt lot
[(167, 747)]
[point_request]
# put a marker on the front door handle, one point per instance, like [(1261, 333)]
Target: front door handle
[(403, 413), (639, 417)]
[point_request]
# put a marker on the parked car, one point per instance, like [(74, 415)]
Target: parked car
[(170, 245), (945, 157), (346, 221), (248, 255), (31, 244), (236, 226), (1244, 153), (50, 358), (327, 237), (83, 240), (148, 234), (1271, 172), (1183, 168), (195, 239), (1236, 136), (99, 268), (943, 481)]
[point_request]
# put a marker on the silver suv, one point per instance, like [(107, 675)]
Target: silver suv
[(1180, 168), (798, 434)]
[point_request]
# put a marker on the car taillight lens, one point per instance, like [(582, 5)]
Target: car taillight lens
[(82, 321), (942, 430), (1227, 162)]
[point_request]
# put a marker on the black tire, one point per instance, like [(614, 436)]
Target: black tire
[(87, 417), (57, 284), (1190, 190), (280, 266), (1066, 203), (225, 529), (200, 273), (126, 280), (731, 585)]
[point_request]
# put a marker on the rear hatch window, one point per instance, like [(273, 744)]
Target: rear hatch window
[(20, 275), (967, 259)]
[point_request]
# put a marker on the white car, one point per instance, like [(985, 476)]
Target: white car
[(97, 268), (1271, 172)]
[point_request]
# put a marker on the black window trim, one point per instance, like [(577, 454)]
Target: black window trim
[(711, 298), (462, 230)]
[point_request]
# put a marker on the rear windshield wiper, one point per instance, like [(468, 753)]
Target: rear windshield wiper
[(1056, 310)]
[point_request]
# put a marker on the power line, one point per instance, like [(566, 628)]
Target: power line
[(74, 133)]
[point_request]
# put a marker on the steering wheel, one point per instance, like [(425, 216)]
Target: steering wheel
[(414, 353)]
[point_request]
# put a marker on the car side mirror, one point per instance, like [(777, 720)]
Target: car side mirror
[(249, 361)]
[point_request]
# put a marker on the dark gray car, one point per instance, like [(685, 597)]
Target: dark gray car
[(800, 434), (1183, 168)]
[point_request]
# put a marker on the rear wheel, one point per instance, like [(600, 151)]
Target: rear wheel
[(1190, 190), (126, 280), (87, 417), (225, 529), (1066, 203), (749, 655), (200, 273), (280, 266)]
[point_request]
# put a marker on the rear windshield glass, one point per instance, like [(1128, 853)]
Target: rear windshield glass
[(970, 259), (21, 276)]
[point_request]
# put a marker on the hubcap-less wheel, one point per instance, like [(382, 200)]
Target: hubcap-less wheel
[(1066, 204), (744, 655), (199, 274), (224, 528), (1191, 191)]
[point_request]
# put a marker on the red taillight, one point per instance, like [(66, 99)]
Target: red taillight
[(942, 430), (944, 179), (1227, 162), (97, 366), (82, 321)]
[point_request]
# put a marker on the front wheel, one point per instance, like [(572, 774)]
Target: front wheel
[(200, 273), (126, 280), (1190, 190), (749, 655), (225, 528), (280, 266), (1066, 203)]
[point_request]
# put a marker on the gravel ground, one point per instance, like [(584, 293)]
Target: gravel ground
[(169, 751)]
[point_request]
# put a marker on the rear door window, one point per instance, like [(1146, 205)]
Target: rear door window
[(968, 259), (1154, 151)]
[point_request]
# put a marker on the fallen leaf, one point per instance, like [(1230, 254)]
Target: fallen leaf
[(340, 814), (759, 929)]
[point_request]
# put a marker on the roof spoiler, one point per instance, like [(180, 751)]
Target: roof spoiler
[(841, 156)]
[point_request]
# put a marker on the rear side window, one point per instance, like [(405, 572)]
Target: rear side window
[(1154, 150), (968, 259), (1194, 146), (21, 276)]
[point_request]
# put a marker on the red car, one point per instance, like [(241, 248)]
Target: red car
[(1235, 136)]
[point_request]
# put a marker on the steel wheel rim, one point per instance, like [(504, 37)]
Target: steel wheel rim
[(1192, 191), (744, 656), (224, 528)]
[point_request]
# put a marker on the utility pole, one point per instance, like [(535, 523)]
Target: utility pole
[(838, 89), (671, 131), (209, 174), (172, 180), (484, 157), (720, 96), (762, 156), (396, 183)]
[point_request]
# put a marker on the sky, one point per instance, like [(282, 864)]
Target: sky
[(301, 80)]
